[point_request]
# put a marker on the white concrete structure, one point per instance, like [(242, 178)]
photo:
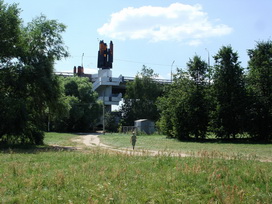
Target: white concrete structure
[(103, 86)]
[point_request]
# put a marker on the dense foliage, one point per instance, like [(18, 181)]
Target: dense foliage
[(228, 103), (184, 108), (111, 121), (229, 94), (83, 109), (141, 95), (260, 90), (28, 84), (224, 99)]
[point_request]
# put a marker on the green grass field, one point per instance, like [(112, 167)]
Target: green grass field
[(160, 142), (63, 139), (49, 175)]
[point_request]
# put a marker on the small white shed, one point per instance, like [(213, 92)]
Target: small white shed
[(145, 125)]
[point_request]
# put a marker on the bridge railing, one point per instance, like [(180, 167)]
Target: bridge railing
[(65, 73), (126, 78), (97, 80), (162, 81)]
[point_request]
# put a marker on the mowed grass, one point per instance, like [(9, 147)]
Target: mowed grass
[(212, 148), (53, 175), (63, 139)]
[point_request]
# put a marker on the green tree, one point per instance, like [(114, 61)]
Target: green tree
[(184, 109), (198, 103), (10, 35), (229, 94), (84, 110), (110, 122), (260, 88), (140, 97), (28, 84), (10, 105), (174, 108), (198, 70)]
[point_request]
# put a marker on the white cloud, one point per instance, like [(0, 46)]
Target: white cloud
[(178, 22)]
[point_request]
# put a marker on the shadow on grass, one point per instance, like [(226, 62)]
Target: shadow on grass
[(32, 149), (228, 141)]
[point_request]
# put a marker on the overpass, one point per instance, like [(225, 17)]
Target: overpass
[(110, 89)]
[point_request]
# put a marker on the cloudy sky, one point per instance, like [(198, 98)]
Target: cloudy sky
[(154, 33)]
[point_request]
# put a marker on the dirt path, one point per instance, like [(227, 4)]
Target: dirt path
[(93, 140)]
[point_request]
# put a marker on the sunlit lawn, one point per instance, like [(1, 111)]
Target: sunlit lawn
[(63, 139), (160, 142), (99, 177), (55, 175)]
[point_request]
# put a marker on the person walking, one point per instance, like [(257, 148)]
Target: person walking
[(133, 140)]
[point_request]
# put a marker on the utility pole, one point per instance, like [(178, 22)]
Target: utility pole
[(82, 59), (208, 57), (104, 113), (209, 68), (171, 71)]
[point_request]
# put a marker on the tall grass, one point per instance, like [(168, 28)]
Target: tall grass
[(101, 177)]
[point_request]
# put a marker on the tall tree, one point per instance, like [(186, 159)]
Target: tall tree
[(140, 97), (184, 108), (198, 109), (198, 70), (10, 34), (28, 84), (84, 111), (230, 94), (174, 108), (260, 87)]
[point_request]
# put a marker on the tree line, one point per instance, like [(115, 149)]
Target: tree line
[(225, 99), (33, 98), (28, 85)]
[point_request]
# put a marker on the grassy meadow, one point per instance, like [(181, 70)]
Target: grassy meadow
[(53, 175), (210, 148), (62, 139)]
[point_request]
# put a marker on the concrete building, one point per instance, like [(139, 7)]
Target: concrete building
[(104, 82)]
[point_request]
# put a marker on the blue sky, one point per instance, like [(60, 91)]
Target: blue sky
[(153, 32)]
